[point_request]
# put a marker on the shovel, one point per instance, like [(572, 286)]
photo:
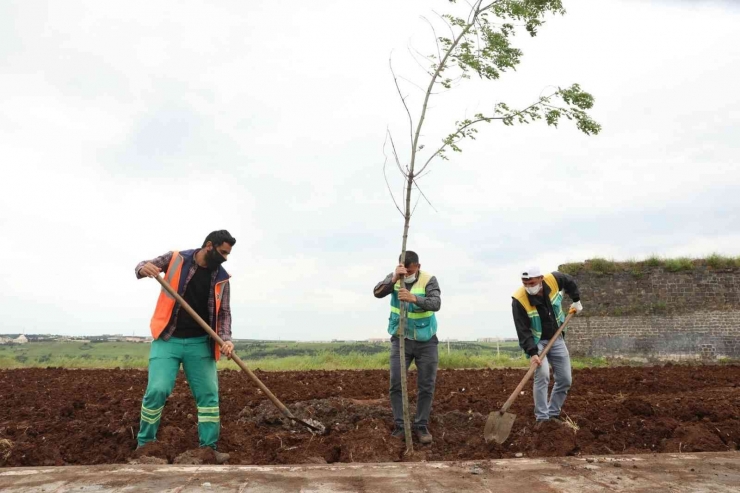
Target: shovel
[(499, 423), (311, 424)]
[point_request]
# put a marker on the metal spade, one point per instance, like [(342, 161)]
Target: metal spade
[(499, 423)]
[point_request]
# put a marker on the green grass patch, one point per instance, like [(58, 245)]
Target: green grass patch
[(601, 266), (638, 269), (572, 268), (678, 264), (269, 355), (716, 261), (653, 261)]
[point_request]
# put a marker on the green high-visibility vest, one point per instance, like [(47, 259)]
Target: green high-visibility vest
[(421, 325)]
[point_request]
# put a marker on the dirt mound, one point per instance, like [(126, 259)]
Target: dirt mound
[(159, 450), (638, 407), (60, 417), (554, 439), (5, 448), (196, 456), (370, 441), (695, 437)]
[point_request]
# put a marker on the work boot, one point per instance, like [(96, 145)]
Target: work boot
[(398, 433), (423, 435), (221, 457), (557, 419), (540, 423)]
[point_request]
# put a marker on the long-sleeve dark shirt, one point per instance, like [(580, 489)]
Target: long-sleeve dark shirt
[(224, 315), (545, 311), (431, 301)]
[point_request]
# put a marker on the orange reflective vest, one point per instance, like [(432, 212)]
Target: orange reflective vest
[(166, 302)]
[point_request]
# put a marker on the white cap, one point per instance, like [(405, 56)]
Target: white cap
[(530, 272)]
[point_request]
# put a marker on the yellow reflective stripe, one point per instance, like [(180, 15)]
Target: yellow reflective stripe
[(533, 313), (150, 420), (208, 409), (412, 315), (154, 416), (152, 411), (208, 419), (421, 315)]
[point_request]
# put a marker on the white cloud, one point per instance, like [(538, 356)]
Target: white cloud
[(135, 128)]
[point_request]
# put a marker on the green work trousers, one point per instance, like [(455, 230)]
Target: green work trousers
[(199, 364)]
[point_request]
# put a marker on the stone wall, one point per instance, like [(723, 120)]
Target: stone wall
[(652, 313)]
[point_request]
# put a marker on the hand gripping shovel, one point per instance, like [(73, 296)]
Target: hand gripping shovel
[(499, 423), (311, 424)]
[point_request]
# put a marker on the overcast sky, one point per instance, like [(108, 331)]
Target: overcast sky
[(128, 129)]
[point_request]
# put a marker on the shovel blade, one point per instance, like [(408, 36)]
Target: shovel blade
[(498, 426), (313, 425)]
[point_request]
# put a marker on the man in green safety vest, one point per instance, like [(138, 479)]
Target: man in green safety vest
[(421, 292), (538, 314)]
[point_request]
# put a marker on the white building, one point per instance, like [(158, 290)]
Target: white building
[(21, 339)]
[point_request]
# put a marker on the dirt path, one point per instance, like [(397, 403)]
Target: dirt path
[(60, 417)]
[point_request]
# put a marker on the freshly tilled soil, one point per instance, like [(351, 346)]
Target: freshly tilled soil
[(59, 417)]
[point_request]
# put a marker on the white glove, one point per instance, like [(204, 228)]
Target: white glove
[(576, 307)]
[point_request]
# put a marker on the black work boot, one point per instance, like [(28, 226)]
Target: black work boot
[(423, 435), (398, 433)]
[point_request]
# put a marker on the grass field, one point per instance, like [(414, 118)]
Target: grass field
[(267, 355)]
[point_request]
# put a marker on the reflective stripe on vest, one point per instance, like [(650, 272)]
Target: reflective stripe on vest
[(418, 289), (219, 289), (556, 298)]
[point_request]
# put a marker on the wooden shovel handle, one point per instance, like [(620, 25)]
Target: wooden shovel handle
[(532, 368), (220, 343)]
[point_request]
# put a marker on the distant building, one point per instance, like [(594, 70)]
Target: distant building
[(376, 340), (489, 339), (5, 340), (21, 339)]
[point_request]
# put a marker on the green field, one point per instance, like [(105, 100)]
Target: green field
[(267, 355)]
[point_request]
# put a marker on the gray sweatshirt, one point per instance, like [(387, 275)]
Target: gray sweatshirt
[(431, 300)]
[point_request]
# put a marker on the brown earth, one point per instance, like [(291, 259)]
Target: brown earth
[(58, 417)]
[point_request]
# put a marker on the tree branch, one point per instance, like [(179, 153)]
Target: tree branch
[(403, 100), (385, 161), (462, 128), (395, 154), (423, 195), (436, 39), (440, 68)]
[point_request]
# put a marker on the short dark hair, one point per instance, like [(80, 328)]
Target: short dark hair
[(411, 258), (219, 237)]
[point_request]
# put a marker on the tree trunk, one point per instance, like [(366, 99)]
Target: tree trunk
[(402, 323)]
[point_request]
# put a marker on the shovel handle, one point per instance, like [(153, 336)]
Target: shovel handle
[(532, 368), (220, 342)]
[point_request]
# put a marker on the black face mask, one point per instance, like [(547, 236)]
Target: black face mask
[(214, 259)]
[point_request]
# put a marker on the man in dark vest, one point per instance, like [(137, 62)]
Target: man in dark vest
[(199, 278), (538, 314), (421, 292)]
